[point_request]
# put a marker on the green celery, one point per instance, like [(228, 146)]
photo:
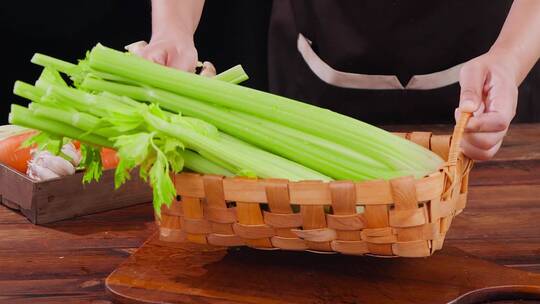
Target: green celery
[(364, 138), (219, 149), (82, 101), (298, 146), (267, 158), (76, 119), (234, 75), (219, 162), (24, 117), (28, 91), (55, 64), (103, 107), (197, 163), (51, 75), (78, 72)]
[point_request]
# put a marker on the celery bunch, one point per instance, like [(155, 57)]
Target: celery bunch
[(155, 141), (161, 120), (397, 153)]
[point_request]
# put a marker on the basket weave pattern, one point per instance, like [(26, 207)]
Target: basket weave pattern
[(401, 217)]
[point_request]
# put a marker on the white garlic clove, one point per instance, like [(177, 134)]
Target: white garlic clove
[(40, 173), (71, 151), (57, 164)]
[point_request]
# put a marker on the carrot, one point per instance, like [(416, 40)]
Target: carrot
[(109, 158), (11, 153)]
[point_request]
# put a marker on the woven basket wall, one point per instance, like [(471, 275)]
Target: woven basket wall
[(400, 217)]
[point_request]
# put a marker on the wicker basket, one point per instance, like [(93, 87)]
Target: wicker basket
[(404, 216)]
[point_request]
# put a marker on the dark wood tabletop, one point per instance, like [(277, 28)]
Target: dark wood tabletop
[(67, 262)]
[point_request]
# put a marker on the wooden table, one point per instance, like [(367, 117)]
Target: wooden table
[(67, 262)]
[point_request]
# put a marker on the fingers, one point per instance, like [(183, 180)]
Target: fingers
[(156, 55), (483, 135), (472, 80), (185, 60), (481, 109), (476, 153), (488, 122), (499, 111), (179, 55), (502, 97), (484, 141)]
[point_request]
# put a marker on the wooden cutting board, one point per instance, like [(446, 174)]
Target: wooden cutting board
[(191, 273)]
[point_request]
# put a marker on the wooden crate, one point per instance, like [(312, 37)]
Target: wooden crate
[(67, 197)]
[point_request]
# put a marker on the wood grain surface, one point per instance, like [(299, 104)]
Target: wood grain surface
[(67, 262), (160, 272)]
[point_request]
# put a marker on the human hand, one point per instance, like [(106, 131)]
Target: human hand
[(489, 89), (173, 50)]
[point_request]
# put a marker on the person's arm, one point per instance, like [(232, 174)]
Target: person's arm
[(173, 24), (489, 83)]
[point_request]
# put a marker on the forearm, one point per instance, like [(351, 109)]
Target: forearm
[(520, 36), (181, 16)]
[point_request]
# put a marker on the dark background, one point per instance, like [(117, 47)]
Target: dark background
[(230, 32)]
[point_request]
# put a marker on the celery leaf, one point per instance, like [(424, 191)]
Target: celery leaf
[(91, 162), (132, 151), (162, 185), (44, 141)]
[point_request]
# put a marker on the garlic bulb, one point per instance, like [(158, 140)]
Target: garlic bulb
[(45, 166)]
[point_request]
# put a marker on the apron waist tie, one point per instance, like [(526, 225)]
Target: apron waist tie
[(374, 82)]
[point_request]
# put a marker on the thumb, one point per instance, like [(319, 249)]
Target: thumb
[(471, 79)]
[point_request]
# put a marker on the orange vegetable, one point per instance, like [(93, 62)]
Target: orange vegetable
[(77, 144), (12, 155), (109, 158)]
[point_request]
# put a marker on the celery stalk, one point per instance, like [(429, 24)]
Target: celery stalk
[(197, 163), (218, 148), (234, 75), (220, 162), (23, 117), (83, 101), (55, 64), (28, 91), (76, 119)]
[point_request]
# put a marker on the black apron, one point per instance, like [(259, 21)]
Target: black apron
[(360, 58)]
